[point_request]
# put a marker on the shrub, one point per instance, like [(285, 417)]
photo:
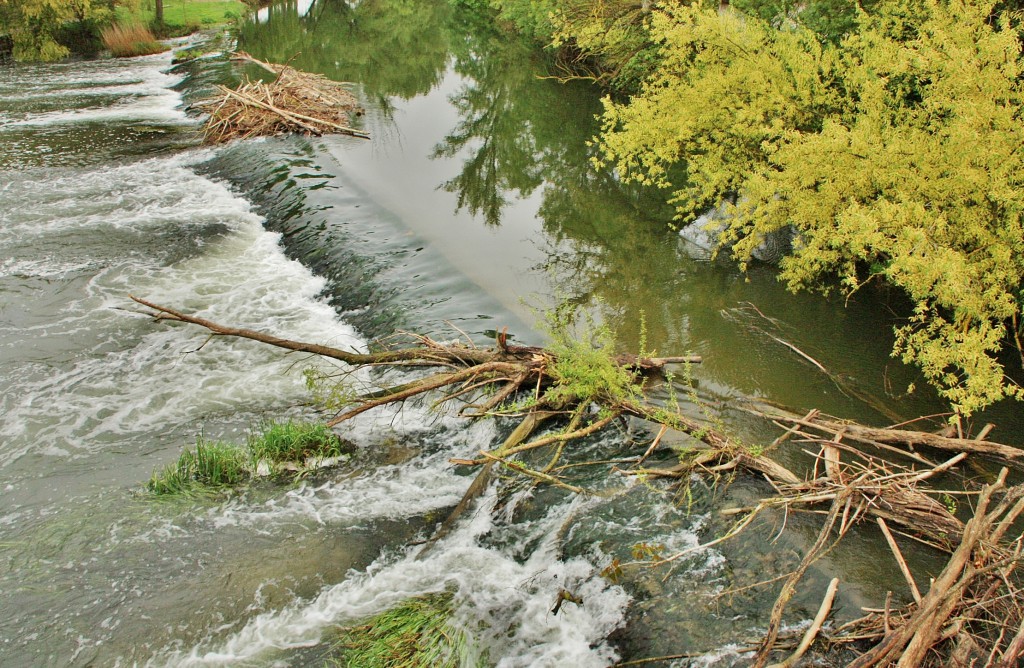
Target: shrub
[(585, 368), (892, 155), (125, 40)]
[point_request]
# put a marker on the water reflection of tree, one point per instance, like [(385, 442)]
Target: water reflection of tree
[(517, 134), (498, 127), (609, 245), (392, 47)]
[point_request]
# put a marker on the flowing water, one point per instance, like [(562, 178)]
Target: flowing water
[(474, 199)]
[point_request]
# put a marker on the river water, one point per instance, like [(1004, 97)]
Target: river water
[(473, 203)]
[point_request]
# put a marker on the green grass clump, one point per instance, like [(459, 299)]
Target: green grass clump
[(294, 442), (215, 464), (186, 55), (125, 40), (417, 633), (211, 464)]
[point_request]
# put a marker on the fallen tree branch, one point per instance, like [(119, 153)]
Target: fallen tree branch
[(902, 438), (976, 588)]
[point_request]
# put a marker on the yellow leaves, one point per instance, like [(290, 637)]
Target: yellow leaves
[(729, 91), (895, 154)]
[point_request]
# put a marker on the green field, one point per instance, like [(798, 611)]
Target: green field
[(185, 13)]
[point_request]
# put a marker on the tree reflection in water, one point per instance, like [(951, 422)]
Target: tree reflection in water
[(609, 247)]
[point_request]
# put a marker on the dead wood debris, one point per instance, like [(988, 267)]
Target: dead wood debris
[(971, 614), (294, 102)]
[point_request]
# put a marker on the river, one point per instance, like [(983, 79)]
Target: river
[(473, 205)]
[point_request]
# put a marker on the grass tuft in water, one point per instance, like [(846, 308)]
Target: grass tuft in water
[(212, 464), (417, 633), (294, 442), (215, 464)]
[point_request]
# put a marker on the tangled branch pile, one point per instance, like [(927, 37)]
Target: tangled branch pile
[(294, 102), (972, 614), (973, 611)]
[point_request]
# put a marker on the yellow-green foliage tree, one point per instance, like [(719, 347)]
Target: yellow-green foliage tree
[(895, 154), (33, 24)]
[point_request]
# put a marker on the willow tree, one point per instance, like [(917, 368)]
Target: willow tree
[(894, 155), (33, 24)]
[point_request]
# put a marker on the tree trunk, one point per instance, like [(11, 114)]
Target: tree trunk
[(159, 20)]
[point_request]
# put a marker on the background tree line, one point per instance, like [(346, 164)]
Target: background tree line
[(885, 136), (48, 30)]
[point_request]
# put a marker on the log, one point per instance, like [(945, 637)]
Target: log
[(432, 354), (903, 438)]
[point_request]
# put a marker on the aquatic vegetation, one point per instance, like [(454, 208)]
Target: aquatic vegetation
[(290, 441), (211, 464), (417, 633), (585, 366), (214, 464), (186, 55)]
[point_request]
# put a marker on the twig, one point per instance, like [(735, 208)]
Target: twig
[(900, 560), (654, 445), (815, 627), (543, 477)]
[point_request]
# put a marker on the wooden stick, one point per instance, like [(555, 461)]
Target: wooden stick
[(814, 629), (900, 560), (654, 445)]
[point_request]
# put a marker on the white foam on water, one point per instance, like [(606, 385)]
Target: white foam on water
[(131, 375), (425, 483), (48, 267), (506, 602), (141, 197), (143, 87)]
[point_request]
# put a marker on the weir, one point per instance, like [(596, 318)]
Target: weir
[(474, 203)]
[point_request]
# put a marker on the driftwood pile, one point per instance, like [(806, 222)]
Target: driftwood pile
[(971, 613), (294, 102)]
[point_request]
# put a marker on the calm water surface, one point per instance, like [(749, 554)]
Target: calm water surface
[(473, 204)]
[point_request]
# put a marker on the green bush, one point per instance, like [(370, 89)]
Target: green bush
[(892, 156), (585, 368)]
